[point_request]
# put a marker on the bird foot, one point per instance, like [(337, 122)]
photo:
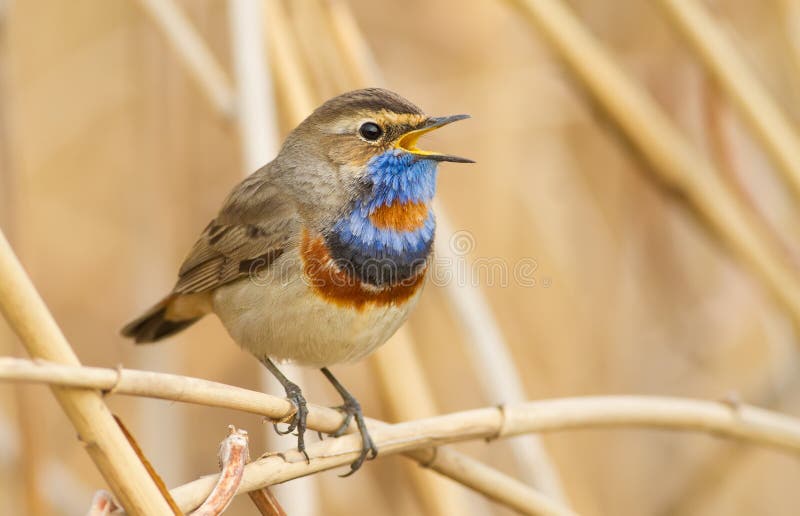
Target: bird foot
[(298, 421), (352, 409)]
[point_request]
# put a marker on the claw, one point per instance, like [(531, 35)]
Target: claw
[(298, 422), (368, 448), (352, 409), (281, 432), (295, 396)]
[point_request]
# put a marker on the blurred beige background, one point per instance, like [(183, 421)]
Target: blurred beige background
[(112, 162)]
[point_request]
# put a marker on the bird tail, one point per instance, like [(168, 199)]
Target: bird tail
[(169, 316)]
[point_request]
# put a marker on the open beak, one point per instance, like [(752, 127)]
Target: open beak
[(408, 141)]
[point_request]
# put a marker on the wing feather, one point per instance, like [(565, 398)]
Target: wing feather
[(256, 223)]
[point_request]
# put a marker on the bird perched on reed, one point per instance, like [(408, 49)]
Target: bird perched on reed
[(318, 257)]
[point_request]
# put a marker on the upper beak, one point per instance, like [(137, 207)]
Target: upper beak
[(408, 141)]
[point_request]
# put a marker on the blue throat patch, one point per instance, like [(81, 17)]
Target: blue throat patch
[(385, 256)]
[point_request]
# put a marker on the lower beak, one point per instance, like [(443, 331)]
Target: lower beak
[(408, 141)]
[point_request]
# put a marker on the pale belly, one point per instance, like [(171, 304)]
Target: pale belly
[(278, 316)]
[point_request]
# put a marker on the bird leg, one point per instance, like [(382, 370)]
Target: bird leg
[(352, 409), (294, 395)]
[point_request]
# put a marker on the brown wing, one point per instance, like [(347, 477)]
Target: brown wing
[(255, 226)]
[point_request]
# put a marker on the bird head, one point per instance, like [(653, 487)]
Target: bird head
[(352, 142)]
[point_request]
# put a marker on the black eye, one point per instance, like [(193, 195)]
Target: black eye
[(370, 131)]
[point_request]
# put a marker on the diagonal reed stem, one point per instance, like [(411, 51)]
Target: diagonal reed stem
[(105, 442), (675, 161), (720, 57), (193, 53)]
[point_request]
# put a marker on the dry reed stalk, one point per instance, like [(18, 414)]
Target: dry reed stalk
[(266, 503), (743, 422), (500, 380), (720, 57), (469, 472), (292, 82), (162, 487), (258, 132), (676, 162), (729, 166), (353, 46), (105, 442), (489, 482), (717, 418), (323, 63), (193, 53), (791, 14)]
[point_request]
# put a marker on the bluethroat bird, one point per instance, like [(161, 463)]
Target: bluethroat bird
[(318, 257)]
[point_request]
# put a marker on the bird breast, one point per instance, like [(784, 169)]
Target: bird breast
[(336, 282), (399, 216)]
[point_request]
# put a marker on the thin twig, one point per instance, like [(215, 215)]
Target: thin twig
[(760, 111), (193, 53), (266, 503), (28, 316), (162, 487), (675, 161), (233, 456)]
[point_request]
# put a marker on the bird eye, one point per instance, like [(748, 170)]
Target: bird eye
[(370, 131)]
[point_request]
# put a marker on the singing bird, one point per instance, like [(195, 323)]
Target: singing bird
[(318, 257)]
